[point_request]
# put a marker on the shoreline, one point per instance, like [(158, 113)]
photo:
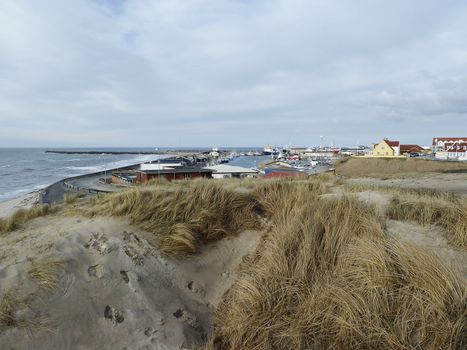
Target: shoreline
[(24, 201)]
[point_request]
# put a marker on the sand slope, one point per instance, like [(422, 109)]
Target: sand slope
[(116, 291), (433, 239)]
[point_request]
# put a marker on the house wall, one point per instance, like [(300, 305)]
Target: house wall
[(233, 175), (118, 180), (382, 149)]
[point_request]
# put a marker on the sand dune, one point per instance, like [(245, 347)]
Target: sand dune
[(115, 289)]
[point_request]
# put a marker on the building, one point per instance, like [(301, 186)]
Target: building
[(386, 148), (411, 149), (223, 171), (271, 172), (450, 148), (175, 173), (123, 178), (355, 151), (166, 163), (278, 164)]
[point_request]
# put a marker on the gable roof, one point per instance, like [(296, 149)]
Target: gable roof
[(448, 139), (411, 148), (392, 143)]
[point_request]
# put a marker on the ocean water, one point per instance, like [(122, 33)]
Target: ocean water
[(25, 170)]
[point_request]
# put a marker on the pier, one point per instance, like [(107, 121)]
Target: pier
[(106, 152)]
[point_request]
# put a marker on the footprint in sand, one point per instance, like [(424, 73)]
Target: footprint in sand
[(188, 318), (131, 279), (113, 315), (99, 242), (96, 271), (196, 288), (124, 275), (132, 253)]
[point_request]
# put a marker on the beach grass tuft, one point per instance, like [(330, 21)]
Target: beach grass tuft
[(21, 216), (47, 274)]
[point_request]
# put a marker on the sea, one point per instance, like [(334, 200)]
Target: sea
[(29, 169)]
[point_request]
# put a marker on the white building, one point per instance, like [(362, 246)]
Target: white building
[(225, 171), (446, 148)]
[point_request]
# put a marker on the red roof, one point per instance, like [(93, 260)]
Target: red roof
[(411, 148), (392, 143), (444, 139)]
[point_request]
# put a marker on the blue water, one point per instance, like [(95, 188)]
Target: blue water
[(25, 170), (250, 162)]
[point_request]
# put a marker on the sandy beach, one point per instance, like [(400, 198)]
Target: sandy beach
[(10, 206)]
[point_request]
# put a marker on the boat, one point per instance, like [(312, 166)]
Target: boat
[(270, 150)]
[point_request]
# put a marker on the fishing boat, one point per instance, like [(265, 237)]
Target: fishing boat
[(270, 150)]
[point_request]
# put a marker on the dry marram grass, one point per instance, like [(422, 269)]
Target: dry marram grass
[(21, 216), (446, 211), (47, 273), (328, 277), (9, 306), (184, 218), (426, 207)]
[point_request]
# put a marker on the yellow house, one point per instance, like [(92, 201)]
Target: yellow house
[(386, 148)]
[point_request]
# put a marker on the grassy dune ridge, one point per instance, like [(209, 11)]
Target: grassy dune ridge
[(448, 212), (183, 218), (328, 277), (426, 207), (374, 167)]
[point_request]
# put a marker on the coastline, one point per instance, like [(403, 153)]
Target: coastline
[(26, 201)]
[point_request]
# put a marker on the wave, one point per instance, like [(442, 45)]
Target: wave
[(20, 185), (64, 160), (18, 193)]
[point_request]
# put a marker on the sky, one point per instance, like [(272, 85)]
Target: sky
[(179, 73)]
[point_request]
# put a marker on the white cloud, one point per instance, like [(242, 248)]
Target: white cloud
[(230, 72)]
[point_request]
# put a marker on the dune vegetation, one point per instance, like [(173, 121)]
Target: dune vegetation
[(184, 217), (326, 274), (328, 277), (444, 210), (8, 311), (21, 216), (426, 207), (387, 167), (46, 274)]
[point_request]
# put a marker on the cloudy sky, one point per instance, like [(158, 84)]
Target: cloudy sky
[(231, 72)]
